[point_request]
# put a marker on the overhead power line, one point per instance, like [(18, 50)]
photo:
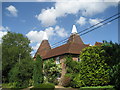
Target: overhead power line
[(98, 25)]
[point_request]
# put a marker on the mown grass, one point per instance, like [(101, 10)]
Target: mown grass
[(98, 88)]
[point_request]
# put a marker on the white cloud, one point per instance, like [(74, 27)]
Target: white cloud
[(56, 0), (36, 47), (95, 21), (81, 21), (45, 0), (37, 36), (4, 28), (61, 31), (45, 15), (13, 11), (48, 17), (3, 31)]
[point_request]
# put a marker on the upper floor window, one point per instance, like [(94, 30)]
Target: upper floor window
[(58, 60)]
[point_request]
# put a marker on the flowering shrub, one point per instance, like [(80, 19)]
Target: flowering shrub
[(52, 71)]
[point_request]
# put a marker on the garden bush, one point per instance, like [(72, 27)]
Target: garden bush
[(73, 69), (65, 80), (49, 86), (9, 85), (52, 71), (72, 66), (115, 73), (93, 68), (21, 74)]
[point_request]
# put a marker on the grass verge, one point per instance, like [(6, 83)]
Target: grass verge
[(98, 88)]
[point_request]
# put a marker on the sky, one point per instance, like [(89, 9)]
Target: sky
[(57, 18)]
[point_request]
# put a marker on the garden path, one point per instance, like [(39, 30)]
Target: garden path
[(63, 88)]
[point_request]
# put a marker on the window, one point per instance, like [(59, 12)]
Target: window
[(58, 60), (78, 59)]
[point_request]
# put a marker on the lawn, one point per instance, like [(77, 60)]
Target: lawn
[(98, 88)]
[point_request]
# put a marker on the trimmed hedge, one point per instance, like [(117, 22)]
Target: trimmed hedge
[(49, 86), (94, 70)]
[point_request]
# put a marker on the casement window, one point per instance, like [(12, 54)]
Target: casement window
[(58, 60)]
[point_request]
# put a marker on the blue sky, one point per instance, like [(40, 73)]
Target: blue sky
[(56, 18)]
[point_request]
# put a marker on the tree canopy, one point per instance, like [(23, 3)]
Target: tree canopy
[(113, 50), (15, 47)]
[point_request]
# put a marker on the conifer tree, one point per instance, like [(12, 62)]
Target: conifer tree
[(38, 70)]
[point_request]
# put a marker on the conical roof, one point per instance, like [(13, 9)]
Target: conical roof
[(73, 46), (44, 46), (74, 37)]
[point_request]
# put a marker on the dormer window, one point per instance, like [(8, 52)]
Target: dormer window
[(58, 60)]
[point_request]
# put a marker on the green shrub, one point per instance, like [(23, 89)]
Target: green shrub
[(72, 66), (9, 85), (65, 81), (115, 73), (94, 70), (22, 73), (49, 86), (51, 71), (73, 69)]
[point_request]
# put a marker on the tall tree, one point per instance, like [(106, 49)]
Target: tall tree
[(113, 50), (15, 47), (38, 70)]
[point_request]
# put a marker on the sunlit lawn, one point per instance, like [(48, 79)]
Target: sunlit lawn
[(98, 88)]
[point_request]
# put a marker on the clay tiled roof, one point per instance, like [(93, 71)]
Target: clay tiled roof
[(72, 48), (75, 38), (43, 49), (98, 43)]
